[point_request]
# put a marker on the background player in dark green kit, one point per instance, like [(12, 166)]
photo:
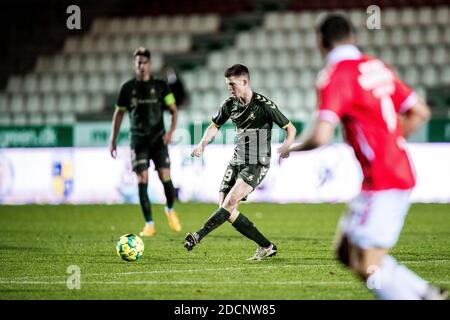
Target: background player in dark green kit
[(145, 98), (253, 115)]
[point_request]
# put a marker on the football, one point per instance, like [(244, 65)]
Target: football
[(130, 247)]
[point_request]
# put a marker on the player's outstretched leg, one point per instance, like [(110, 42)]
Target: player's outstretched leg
[(215, 220), (169, 191), (266, 249), (149, 228)]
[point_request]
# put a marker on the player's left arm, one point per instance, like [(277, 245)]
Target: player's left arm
[(171, 104), (414, 118), (173, 109), (290, 137)]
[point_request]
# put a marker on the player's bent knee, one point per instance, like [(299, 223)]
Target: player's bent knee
[(233, 216)]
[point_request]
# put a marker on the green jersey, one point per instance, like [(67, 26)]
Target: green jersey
[(145, 102), (253, 127)]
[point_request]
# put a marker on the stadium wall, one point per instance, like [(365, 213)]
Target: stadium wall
[(79, 175)]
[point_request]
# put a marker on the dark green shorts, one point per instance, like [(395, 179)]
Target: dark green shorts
[(142, 151), (252, 174)]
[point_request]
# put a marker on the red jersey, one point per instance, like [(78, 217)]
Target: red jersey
[(366, 96)]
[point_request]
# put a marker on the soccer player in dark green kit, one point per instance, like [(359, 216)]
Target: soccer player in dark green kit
[(145, 98), (253, 115)]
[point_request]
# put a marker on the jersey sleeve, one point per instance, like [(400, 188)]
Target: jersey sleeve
[(404, 97), (223, 114), (276, 115), (168, 96), (123, 101), (332, 96)]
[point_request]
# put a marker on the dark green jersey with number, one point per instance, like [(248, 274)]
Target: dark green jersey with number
[(253, 127), (145, 102)]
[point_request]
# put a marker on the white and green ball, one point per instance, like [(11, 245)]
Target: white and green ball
[(130, 247)]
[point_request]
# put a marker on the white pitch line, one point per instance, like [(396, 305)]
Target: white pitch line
[(221, 283), (24, 278)]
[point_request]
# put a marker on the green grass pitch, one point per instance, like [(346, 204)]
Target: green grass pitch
[(39, 243)]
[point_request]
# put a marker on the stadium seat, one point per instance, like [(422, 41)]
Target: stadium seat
[(440, 55), (289, 79), (95, 84), (68, 118), (422, 56), (272, 21), (442, 15), (71, 45), (411, 75), (110, 82), (277, 39), (273, 79), (123, 62), (306, 20), (65, 103), (429, 76), (99, 25), (4, 104), (261, 39), (415, 35), (407, 16), (33, 103), (90, 63), (97, 102), (17, 103), (81, 103), (397, 37), (129, 25), (62, 83), (19, 119), (244, 40), (106, 63), (79, 82), (52, 118), (358, 18), (432, 35), (404, 56), (14, 84), (102, 44), (36, 119), (30, 83), (310, 101), (46, 83), (257, 78), (390, 17), (74, 63), (445, 75), (49, 103), (425, 16), (6, 119), (293, 39)]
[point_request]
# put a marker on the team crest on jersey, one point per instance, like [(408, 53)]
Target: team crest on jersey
[(252, 116)]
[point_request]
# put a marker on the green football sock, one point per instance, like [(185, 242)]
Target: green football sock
[(215, 220), (248, 229)]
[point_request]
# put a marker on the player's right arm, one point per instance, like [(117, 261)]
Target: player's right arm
[(209, 135), (122, 105), (222, 116), (414, 118), (116, 122)]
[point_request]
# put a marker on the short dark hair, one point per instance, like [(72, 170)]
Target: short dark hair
[(141, 51), (334, 28), (236, 71)]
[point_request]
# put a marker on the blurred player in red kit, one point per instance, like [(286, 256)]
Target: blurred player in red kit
[(377, 112)]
